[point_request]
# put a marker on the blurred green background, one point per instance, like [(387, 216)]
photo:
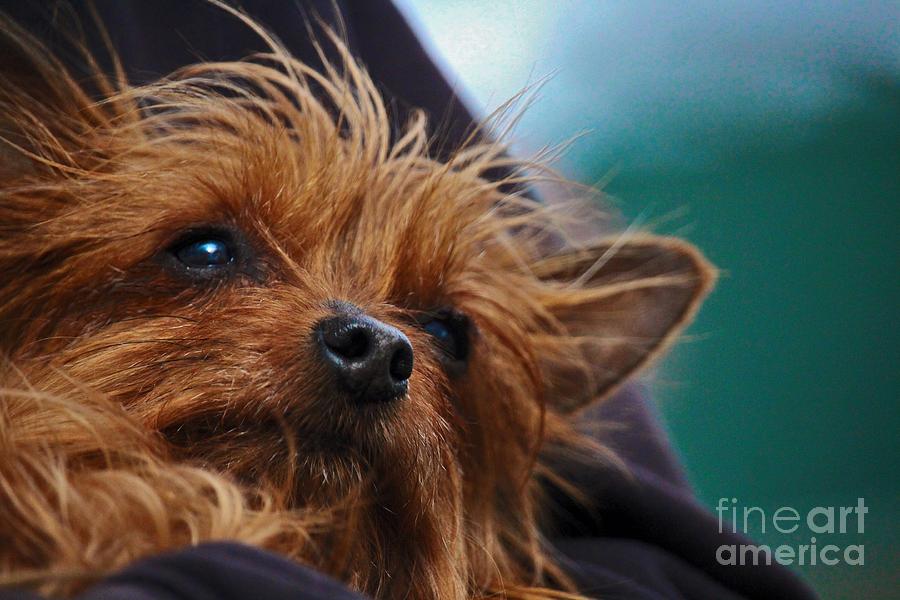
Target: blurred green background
[(788, 395), (769, 135)]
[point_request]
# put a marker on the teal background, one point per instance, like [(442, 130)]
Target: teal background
[(769, 135), (786, 394)]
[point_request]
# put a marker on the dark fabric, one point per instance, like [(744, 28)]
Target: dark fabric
[(214, 571), (620, 568), (632, 430), (645, 535)]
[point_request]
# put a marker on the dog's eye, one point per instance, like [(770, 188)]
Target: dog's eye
[(450, 330), (204, 253)]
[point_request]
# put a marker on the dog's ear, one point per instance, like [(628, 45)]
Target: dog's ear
[(617, 305)]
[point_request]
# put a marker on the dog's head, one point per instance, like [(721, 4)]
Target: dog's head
[(259, 266)]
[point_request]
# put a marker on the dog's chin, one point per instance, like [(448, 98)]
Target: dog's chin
[(331, 452), (328, 425)]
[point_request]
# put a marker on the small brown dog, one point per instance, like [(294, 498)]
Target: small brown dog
[(236, 304)]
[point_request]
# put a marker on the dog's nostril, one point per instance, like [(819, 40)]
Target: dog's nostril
[(348, 341), (402, 363), (371, 360)]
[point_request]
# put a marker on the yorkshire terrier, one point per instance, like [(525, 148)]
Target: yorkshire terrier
[(239, 303)]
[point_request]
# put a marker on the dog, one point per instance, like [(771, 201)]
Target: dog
[(240, 303)]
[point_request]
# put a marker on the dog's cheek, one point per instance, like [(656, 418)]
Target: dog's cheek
[(499, 401)]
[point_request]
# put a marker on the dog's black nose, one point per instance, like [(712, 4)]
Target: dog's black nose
[(371, 360)]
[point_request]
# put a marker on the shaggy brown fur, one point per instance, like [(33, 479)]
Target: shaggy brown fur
[(142, 409)]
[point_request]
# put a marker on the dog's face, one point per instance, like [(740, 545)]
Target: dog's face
[(288, 293)]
